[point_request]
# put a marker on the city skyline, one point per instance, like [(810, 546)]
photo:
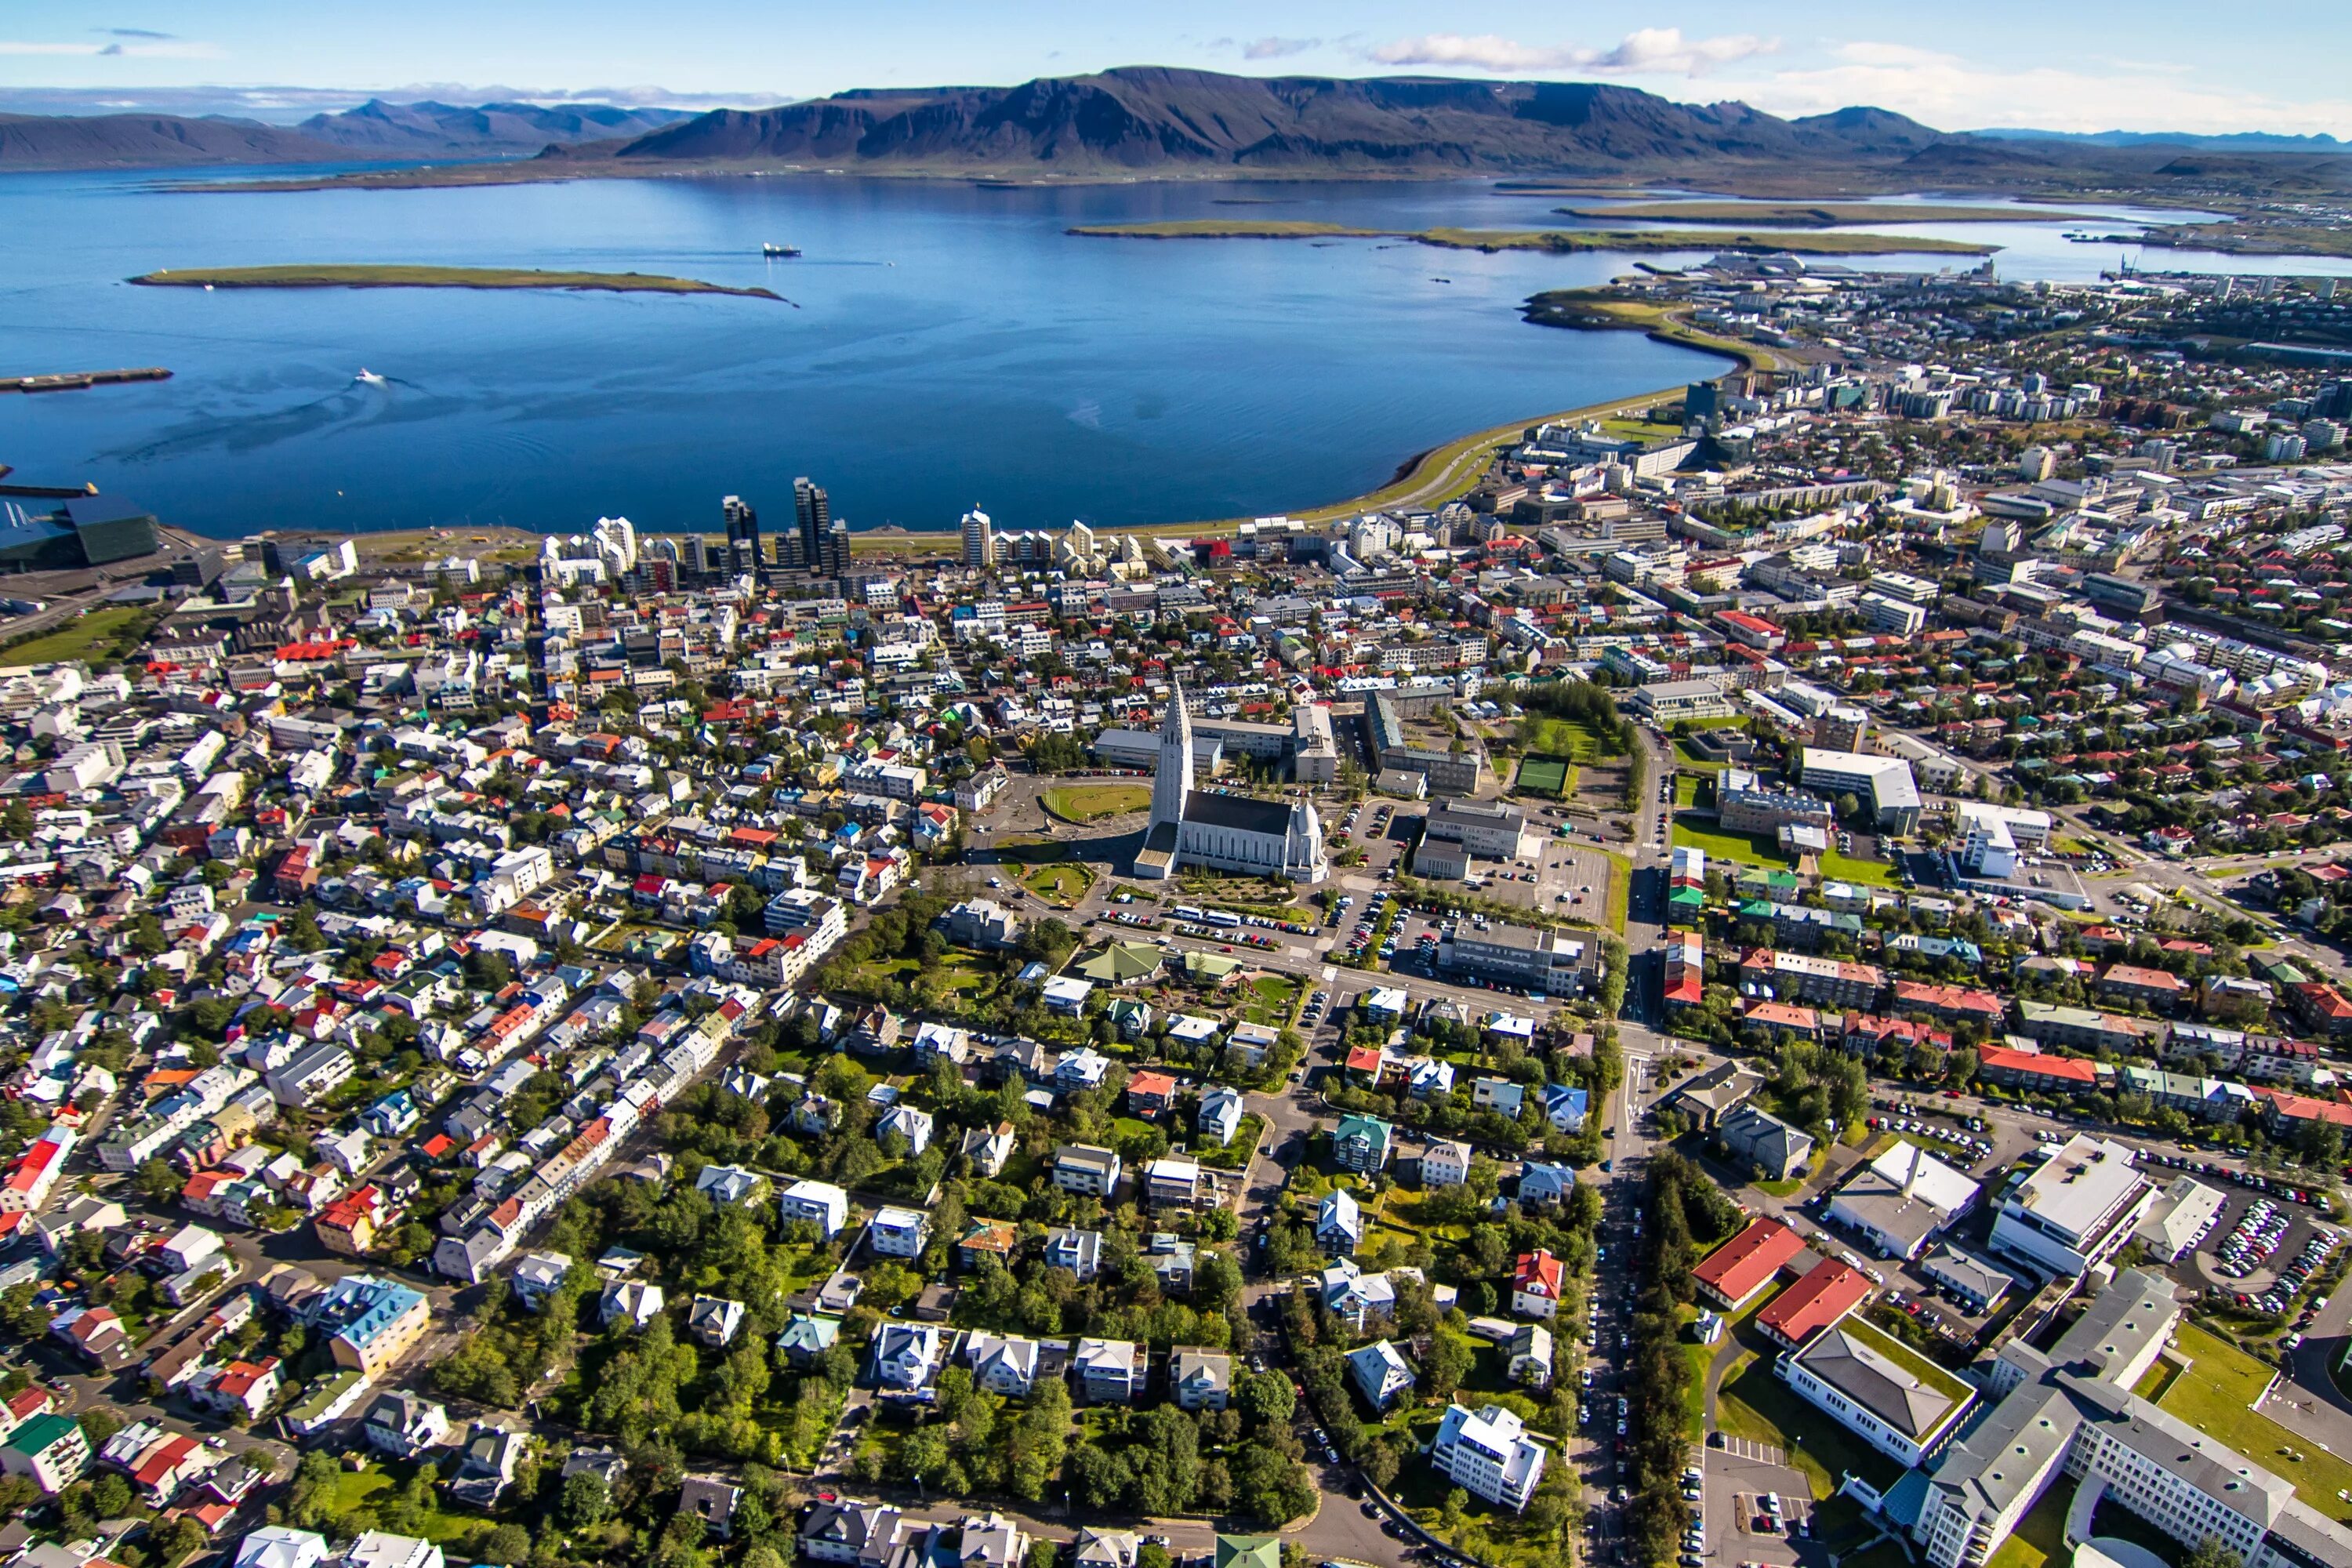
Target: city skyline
[(2002, 64)]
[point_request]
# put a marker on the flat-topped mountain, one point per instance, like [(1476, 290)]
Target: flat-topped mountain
[(1143, 119)]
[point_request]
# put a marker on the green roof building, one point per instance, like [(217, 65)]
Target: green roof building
[(1363, 1142), (51, 1449), (1248, 1551)]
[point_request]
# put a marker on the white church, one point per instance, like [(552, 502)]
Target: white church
[(1221, 832)]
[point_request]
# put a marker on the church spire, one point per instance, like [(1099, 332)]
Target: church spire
[(1172, 779)]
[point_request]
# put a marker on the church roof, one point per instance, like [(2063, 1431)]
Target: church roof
[(1238, 812)]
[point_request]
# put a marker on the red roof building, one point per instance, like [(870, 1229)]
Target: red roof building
[(1150, 1093), (2032, 1069), (1733, 1273), (1536, 1285), (1813, 1303)]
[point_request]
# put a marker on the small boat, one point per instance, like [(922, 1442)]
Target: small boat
[(368, 377), (773, 249)]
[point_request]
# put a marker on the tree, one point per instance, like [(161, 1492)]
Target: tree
[(21, 1314), (156, 1182), (2212, 1552), (508, 1544), (587, 1502)]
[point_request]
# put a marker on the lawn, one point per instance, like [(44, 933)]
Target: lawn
[(2217, 1398), (356, 1490), (1722, 845), (1544, 775), (90, 635), (1272, 1001), (1837, 868), (1621, 892), (1686, 758), (2041, 1535), (1090, 803), (1565, 738), (1064, 883), (1685, 790)]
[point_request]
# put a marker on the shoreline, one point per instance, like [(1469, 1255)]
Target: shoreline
[(1429, 478)]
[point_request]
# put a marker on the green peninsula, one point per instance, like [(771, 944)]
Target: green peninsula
[(374, 275), (1559, 240), (1818, 214)]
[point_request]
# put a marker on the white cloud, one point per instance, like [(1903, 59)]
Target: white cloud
[(1650, 52), (1953, 93), (1277, 48)]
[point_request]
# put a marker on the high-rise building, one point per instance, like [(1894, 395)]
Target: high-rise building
[(743, 537), (813, 512), (833, 560), (979, 539)]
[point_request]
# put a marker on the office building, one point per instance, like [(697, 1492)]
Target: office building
[(1886, 1394), (1885, 783), (812, 515), (2078, 1210), (1551, 963), (743, 537), (979, 539)]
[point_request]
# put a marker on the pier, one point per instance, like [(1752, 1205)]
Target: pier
[(74, 380)]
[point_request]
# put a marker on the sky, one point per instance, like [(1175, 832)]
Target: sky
[(2151, 65)]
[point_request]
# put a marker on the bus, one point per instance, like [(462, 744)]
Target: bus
[(1222, 918), (1187, 912)]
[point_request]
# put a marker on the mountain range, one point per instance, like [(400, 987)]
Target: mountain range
[(373, 129), (1157, 121)]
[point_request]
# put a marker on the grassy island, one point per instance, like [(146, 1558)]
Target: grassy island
[(1816, 214), (1228, 229), (376, 275), (1562, 241)]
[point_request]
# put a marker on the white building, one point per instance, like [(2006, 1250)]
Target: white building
[(1488, 1453), (820, 1204), (1224, 832), (899, 1233), (1886, 1394), (2173, 1223), (2078, 1210)]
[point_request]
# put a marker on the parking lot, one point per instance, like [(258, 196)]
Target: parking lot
[(1752, 1501)]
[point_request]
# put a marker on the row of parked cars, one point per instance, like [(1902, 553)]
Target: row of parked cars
[(2276, 1186), (2296, 1275)]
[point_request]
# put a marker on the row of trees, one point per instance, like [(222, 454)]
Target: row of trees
[(1685, 1211)]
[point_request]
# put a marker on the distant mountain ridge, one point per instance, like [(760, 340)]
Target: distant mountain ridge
[(2220, 142), (372, 129), (1148, 121), (432, 129)]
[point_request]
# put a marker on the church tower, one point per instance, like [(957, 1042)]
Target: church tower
[(1172, 779)]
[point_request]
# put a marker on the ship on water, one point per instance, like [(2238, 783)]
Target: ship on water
[(772, 249)]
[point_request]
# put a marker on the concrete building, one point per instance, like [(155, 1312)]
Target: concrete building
[(1488, 1453), (1884, 784), (1885, 1393), (2078, 1210)]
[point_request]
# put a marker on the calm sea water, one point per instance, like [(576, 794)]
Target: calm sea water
[(946, 345)]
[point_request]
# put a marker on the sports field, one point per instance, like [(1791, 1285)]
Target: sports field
[(1543, 775)]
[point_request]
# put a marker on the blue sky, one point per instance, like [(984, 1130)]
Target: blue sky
[(2151, 65)]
